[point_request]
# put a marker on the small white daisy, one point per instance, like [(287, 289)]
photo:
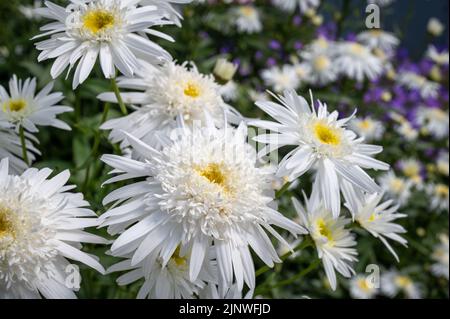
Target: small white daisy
[(379, 39), (440, 58), (412, 169), (439, 196), (435, 121), (334, 243), (414, 81), (322, 142), (247, 19), (377, 217), (319, 57), (201, 192), (369, 128), (357, 61), (111, 30), (442, 163), (435, 27), (291, 5), (362, 288), (392, 282), (281, 78), (440, 256), (23, 107), (397, 188), (41, 224)]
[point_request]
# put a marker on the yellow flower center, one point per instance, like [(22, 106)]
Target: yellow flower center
[(326, 134), (372, 217), (442, 190), (357, 49), (247, 11), (403, 281), (362, 284), (213, 173), (324, 230), (397, 185), (376, 32), (179, 261), (321, 63), (6, 225), (411, 170), (98, 20), (192, 90), (386, 96), (365, 125), (15, 105)]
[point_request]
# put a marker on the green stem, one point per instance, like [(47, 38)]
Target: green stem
[(24, 145), (305, 243), (282, 190), (115, 88)]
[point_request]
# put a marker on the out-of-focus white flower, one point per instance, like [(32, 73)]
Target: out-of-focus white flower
[(441, 58), (379, 39), (334, 243), (291, 5), (404, 128), (41, 224), (280, 79), (435, 27), (414, 81), (247, 19), (392, 282), (412, 169), (29, 11), (23, 107), (357, 61), (362, 288), (440, 256), (435, 121), (396, 188), (442, 163), (224, 70), (229, 91), (319, 59), (439, 195), (369, 128), (322, 142)]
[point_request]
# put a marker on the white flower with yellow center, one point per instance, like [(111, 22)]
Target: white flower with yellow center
[(319, 57), (247, 19), (412, 169), (362, 288), (41, 224), (440, 256), (201, 192), (440, 58), (396, 187), (21, 106), (443, 163), (334, 243), (369, 128), (322, 142), (111, 30), (162, 95), (291, 5), (377, 217), (379, 39), (281, 78), (392, 282), (439, 195), (357, 62), (414, 81), (435, 121)]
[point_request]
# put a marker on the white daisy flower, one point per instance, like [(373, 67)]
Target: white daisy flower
[(435, 121), (377, 217), (443, 163), (281, 78), (109, 29), (396, 188), (392, 282), (334, 243), (229, 91), (440, 255), (29, 11), (407, 131), (247, 19), (362, 288), (435, 27), (11, 147), (319, 57), (211, 291), (41, 224), (23, 107), (321, 140), (439, 196), (414, 81), (379, 39), (163, 94), (369, 128), (412, 169), (357, 61), (202, 191), (291, 5), (163, 279), (441, 58)]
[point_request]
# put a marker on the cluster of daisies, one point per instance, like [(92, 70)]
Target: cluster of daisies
[(196, 200)]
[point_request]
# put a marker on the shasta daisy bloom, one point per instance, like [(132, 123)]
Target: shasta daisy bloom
[(281, 78), (369, 128), (379, 39), (319, 57), (414, 81), (201, 192), (247, 19), (357, 61), (435, 121), (412, 169), (440, 58), (111, 30), (334, 243), (377, 217), (22, 106), (439, 195), (362, 288), (397, 188), (41, 224), (321, 141), (164, 279), (291, 5), (163, 94), (392, 283), (440, 256)]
